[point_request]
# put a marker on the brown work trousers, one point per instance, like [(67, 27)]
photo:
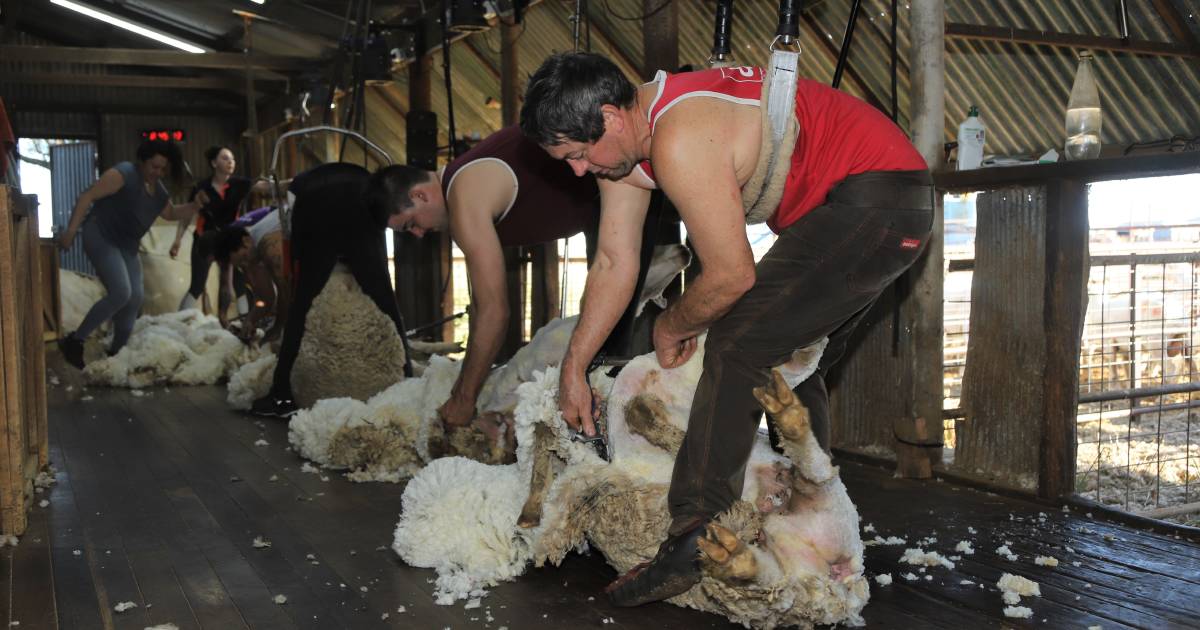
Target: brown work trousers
[(818, 280)]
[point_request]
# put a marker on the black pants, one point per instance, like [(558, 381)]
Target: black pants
[(203, 250), (820, 277), (314, 255)]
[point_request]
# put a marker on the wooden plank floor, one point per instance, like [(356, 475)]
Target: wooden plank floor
[(159, 498)]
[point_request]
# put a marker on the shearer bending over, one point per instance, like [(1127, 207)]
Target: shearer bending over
[(254, 244), (852, 212), (504, 192), (341, 212)]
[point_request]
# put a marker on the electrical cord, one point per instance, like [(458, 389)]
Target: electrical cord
[(639, 18)]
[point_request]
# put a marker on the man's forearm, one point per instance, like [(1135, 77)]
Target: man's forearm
[(486, 337), (706, 300), (606, 295)]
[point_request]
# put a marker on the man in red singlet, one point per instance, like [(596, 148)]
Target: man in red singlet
[(852, 203)]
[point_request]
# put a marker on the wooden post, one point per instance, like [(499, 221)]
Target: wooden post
[(889, 387), (424, 285), (515, 259), (12, 399), (920, 429), (1067, 269), (33, 347), (660, 37), (51, 290)]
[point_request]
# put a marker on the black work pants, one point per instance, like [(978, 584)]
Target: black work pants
[(314, 255), (823, 273), (202, 258)]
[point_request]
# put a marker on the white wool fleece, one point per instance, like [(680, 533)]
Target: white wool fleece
[(459, 517), (180, 348)]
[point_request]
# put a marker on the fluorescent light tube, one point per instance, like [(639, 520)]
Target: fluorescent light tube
[(127, 25)]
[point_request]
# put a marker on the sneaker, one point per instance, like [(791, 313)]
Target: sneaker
[(72, 350), (271, 406)]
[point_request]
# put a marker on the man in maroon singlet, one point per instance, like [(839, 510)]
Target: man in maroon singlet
[(852, 205), (504, 192)]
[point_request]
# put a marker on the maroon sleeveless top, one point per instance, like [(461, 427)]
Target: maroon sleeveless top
[(551, 202)]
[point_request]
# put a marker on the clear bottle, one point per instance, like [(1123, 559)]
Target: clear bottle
[(1084, 117)]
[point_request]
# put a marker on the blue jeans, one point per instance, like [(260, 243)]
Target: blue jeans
[(120, 272)]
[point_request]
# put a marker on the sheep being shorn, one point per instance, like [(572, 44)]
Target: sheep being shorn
[(788, 553), (490, 438), (405, 416)]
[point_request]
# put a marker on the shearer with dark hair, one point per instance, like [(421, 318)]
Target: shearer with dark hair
[(253, 244), (503, 192), (852, 203), (341, 212), (116, 212)]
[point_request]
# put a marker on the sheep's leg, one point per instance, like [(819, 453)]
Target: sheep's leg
[(724, 557), (793, 423), (647, 416), (542, 477)]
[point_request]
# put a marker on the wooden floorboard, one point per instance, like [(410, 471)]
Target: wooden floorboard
[(163, 494), (28, 587)]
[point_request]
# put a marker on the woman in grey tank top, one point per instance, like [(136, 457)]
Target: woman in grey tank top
[(124, 203)]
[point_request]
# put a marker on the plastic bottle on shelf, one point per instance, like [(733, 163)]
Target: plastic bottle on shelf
[(1084, 118), (971, 137)]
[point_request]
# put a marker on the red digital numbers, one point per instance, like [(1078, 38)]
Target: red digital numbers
[(178, 135)]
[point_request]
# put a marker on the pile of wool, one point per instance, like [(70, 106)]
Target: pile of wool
[(78, 293), (350, 348), (166, 279), (251, 381), (387, 437), (808, 554), (179, 348)]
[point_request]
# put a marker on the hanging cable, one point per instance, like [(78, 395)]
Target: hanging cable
[(722, 55), (446, 74), (895, 55), (847, 38), (575, 19)]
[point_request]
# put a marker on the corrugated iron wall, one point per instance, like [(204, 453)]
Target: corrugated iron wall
[(1004, 414), (72, 170)]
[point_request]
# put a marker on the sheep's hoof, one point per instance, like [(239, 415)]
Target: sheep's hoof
[(725, 557), (790, 415)]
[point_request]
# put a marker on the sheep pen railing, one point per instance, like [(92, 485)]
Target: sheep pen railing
[(24, 445), (1018, 420)]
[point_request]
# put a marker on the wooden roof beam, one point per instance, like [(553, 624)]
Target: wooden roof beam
[(124, 80), (1068, 40), (150, 57)]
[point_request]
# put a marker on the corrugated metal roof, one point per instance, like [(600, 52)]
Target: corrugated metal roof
[(1021, 89)]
